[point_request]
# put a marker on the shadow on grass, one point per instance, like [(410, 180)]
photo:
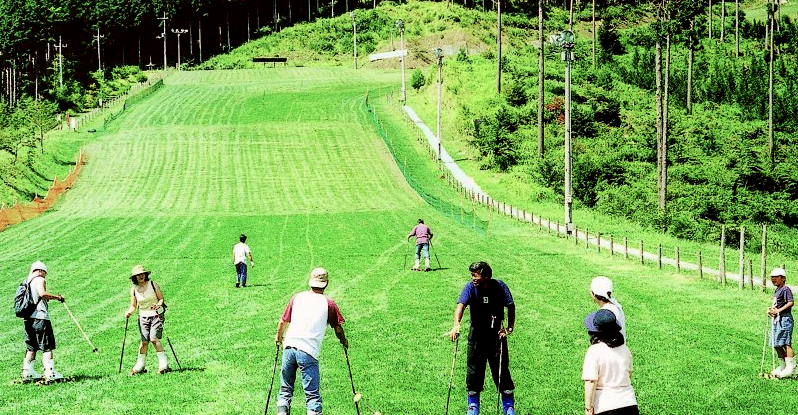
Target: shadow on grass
[(187, 369)]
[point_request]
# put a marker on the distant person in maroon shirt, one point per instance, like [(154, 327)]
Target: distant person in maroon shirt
[(423, 236)]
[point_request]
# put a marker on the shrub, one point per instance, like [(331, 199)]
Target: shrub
[(417, 79)]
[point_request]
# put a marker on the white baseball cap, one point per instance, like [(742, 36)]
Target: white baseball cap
[(318, 278), (778, 272), (38, 265), (601, 286)]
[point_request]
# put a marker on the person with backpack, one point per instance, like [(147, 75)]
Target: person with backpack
[(38, 329), (146, 296)]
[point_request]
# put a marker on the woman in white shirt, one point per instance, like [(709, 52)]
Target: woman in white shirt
[(147, 298), (607, 368)]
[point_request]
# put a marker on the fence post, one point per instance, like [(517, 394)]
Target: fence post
[(587, 238), (659, 256), (722, 264), (700, 266), (764, 269), (598, 242), (625, 247), (612, 246), (642, 253), (678, 261), (751, 273), (742, 257)]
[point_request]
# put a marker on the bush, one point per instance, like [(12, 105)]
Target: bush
[(417, 79)]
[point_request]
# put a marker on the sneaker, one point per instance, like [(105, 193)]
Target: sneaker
[(282, 410), (244, 285), (30, 375), (238, 285), (52, 376), (472, 410), (510, 411)]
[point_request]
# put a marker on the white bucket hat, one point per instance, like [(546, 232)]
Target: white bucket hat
[(778, 272), (601, 286)]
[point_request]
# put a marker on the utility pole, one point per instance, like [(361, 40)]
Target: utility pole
[(566, 41), (163, 36), (179, 32), (401, 25), (98, 37), (439, 54), (60, 46)]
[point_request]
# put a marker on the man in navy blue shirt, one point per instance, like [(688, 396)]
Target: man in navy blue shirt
[(487, 339)]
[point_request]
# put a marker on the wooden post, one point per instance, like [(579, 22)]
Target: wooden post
[(678, 261), (612, 246), (659, 256), (722, 264), (625, 247), (598, 242), (587, 238), (642, 253), (751, 273), (742, 257), (764, 269), (700, 266)]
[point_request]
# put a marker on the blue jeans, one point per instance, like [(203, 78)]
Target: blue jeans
[(241, 273), (308, 366), (422, 247)]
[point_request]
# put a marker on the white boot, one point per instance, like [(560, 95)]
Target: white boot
[(28, 373), (163, 363), (415, 267), (779, 368), (140, 363), (426, 264), (789, 368), (50, 374)]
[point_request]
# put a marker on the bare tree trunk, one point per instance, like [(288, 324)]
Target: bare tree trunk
[(722, 19), (737, 28), (499, 46), (594, 33), (771, 140), (709, 19), (541, 89), (663, 197), (690, 56), (658, 106)]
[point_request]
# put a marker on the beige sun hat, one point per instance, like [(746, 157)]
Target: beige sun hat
[(139, 269), (38, 265), (318, 278), (778, 272)]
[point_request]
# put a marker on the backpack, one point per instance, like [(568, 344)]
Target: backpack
[(24, 306)]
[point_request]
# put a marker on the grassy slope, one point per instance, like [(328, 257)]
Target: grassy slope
[(218, 153)]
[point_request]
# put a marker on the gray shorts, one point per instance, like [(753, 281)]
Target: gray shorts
[(782, 331), (151, 328), (39, 335)]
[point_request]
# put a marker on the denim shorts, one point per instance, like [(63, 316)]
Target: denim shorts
[(782, 331)]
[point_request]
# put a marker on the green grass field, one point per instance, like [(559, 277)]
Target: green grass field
[(288, 156)]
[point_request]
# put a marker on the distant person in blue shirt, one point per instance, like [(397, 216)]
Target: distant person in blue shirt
[(487, 339), (781, 312)]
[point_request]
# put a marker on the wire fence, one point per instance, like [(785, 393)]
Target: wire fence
[(18, 213), (743, 271), (466, 216)]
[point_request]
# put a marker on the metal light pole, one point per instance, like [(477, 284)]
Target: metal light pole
[(60, 47), (179, 32), (354, 37), (98, 37), (439, 54), (401, 25), (163, 36), (566, 42)]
